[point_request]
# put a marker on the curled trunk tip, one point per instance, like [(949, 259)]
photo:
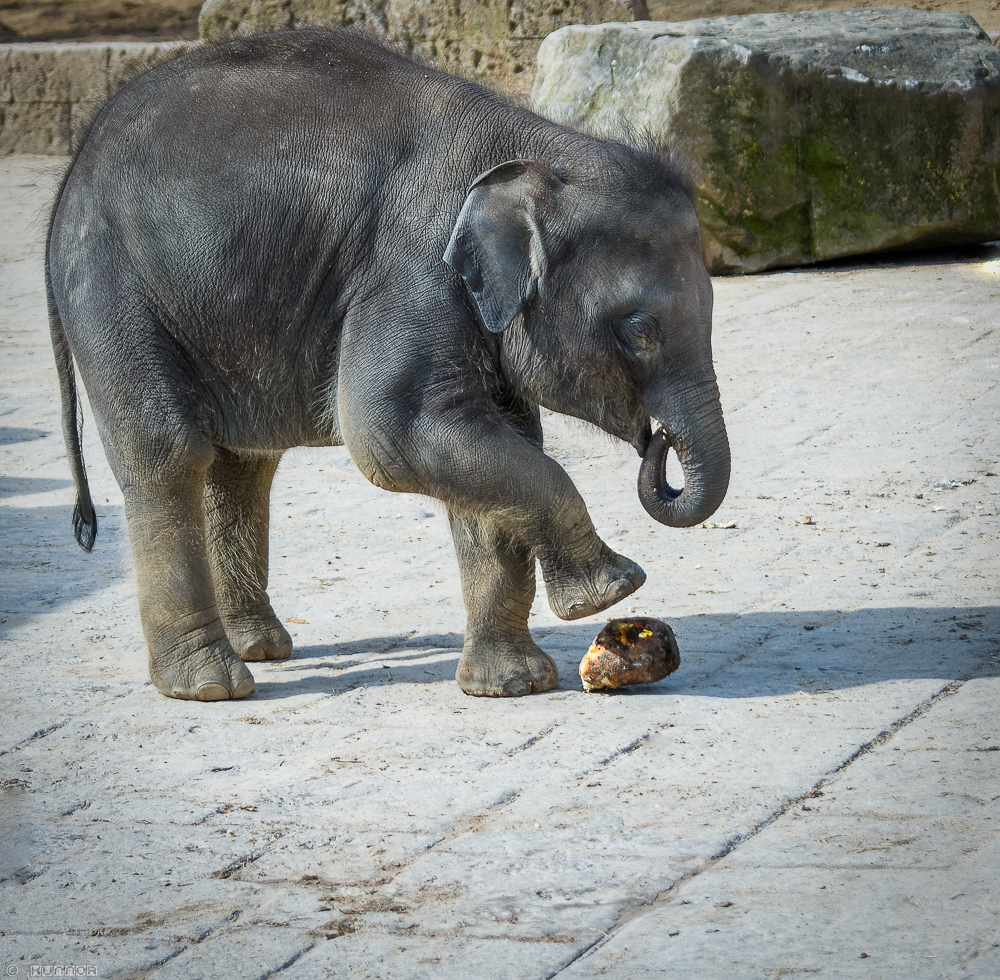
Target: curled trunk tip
[(706, 479)]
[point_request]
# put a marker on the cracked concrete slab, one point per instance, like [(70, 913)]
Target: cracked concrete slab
[(889, 870), (825, 758)]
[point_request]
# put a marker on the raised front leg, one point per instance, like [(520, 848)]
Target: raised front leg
[(499, 658), (449, 438), (493, 471), (189, 654), (583, 576), (237, 493)]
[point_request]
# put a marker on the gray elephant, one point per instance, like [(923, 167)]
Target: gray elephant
[(304, 239)]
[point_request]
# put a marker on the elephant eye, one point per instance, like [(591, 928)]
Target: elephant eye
[(640, 330)]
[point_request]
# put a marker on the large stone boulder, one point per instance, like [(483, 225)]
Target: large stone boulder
[(807, 136)]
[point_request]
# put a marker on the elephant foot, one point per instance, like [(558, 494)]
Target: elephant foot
[(505, 669), (208, 670), (258, 635), (577, 593)]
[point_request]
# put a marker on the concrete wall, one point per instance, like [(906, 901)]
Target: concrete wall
[(492, 41), (48, 92)]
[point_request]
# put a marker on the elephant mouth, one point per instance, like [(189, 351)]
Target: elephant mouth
[(653, 485), (642, 440)]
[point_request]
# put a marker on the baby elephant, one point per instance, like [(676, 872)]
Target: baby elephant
[(304, 239)]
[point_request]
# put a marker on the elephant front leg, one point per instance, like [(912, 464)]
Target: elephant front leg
[(588, 578), (237, 500), (190, 656), (459, 447), (583, 576), (499, 658)]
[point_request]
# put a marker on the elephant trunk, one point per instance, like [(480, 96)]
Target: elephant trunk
[(698, 436)]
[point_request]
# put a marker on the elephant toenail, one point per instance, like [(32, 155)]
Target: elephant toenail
[(244, 689), (213, 692), (516, 687)]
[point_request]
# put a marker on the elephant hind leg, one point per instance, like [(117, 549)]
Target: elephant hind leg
[(237, 496), (499, 658), (189, 654)]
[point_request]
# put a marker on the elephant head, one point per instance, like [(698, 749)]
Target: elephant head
[(592, 274)]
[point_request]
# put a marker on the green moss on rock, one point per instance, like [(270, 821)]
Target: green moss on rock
[(809, 136)]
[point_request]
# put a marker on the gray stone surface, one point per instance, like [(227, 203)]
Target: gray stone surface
[(809, 136), (360, 817), (494, 41), (910, 833), (49, 92)]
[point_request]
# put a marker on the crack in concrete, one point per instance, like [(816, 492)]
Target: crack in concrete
[(630, 912), (146, 971), (754, 647), (510, 753), (294, 958), (41, 733), (239, 864), (617, 754)]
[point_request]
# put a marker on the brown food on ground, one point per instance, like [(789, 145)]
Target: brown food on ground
[(630, 651)]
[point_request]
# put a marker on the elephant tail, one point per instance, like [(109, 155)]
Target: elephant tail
[(84, 515)]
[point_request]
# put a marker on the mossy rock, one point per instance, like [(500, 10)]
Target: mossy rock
[(808, 136)]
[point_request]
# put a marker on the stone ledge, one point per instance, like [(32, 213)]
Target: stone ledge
[(492, 41), (49, 92)]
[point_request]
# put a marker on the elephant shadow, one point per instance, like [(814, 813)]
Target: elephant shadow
[(11, 435), (726, 655), (749, 655), (46, 571)]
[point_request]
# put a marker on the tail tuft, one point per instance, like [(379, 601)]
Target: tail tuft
[(84, 515), (85, 530)]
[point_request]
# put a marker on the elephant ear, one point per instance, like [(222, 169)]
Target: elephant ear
[(496, 245)]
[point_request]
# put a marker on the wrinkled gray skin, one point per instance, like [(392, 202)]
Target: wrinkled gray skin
[(302, 239)]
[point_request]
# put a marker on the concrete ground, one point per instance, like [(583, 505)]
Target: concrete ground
[(816, 790)]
